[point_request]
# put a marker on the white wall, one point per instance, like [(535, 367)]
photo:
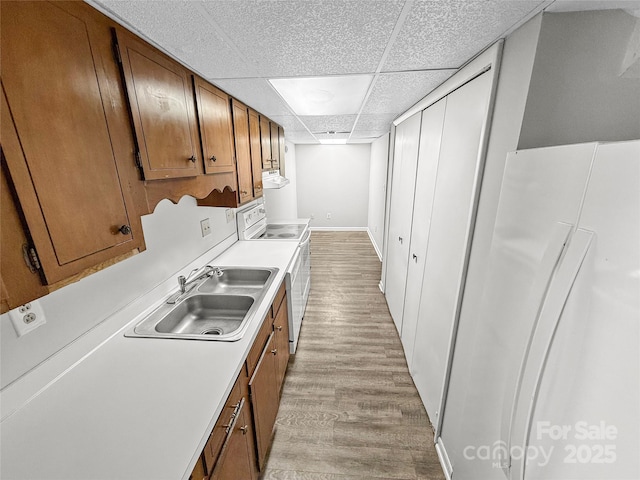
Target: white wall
[(577, 93), (378, 191), (173, 238), (282, 203), (333, 179)]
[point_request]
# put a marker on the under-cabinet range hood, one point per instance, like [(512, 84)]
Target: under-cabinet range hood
[(273, 179)]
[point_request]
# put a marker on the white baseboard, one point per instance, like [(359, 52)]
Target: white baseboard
[(339, 229), (375, 246), (445, 463), (381, 286)]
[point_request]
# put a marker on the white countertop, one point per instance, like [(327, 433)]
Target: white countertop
[(138, 408)]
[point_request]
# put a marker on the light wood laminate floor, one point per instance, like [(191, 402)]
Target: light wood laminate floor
[(349, 409)]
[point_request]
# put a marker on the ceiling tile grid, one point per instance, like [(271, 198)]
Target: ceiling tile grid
[(375, 123), (309, 38), (445, 34), (396, 92), (290, 123)]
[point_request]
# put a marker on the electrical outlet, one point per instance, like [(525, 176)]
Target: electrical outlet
[(205, 226), (329, 216), (27, 317), (230, 215)]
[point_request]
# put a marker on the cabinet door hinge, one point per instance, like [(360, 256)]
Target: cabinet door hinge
[(31, 258), (116, 52)]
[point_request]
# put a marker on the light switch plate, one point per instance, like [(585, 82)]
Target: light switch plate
[(205, 226), (27, 317), (229, 213)]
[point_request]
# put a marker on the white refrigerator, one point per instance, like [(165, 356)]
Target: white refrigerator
[(551, 387)]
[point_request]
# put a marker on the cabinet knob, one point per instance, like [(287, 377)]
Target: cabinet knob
[(415, 257), (243, 192), (125, 229), (192, 158), (400, 239), (279, 328), (213, 158), (274, 351), (244, 429)]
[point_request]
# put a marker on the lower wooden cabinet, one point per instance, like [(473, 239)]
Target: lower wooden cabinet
[(265, 398), (239, 443)]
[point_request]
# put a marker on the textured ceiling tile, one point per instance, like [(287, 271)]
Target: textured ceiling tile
[(255, 92), (332, 136), (374, 122), (313, 37), (439, 34), (329, 123), (290, 123), (396, 92), (299, 137), (178, 28), (368, 135)]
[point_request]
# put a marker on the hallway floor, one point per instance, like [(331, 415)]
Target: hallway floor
[(349, 409)]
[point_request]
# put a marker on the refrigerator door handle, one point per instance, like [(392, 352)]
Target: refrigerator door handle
[(536, 299), (544, 336)]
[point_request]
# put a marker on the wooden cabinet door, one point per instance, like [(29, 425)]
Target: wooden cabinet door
[(256, 152), (243, 150), (265, 398), (275, 145), (265, 141), (214, 114), (236, 459), (281, 150), (162, 110), (56, 138), (281, 329)]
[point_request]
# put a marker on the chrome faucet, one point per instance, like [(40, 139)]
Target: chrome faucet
[(187, 283)]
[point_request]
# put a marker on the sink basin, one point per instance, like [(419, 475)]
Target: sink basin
[(206, 315), (217, 307), (235, 279)]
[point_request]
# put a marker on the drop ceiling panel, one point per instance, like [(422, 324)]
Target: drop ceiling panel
[(366, 137), (329, 123), (180, 30), (289, 123), (396, 92), (374, 123), (308, 38), (255, 92), (439, 34), (299, 137), (335, 136)]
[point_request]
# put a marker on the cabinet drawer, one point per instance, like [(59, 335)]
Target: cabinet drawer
[(258, 344), (278, 301), (218, 434)]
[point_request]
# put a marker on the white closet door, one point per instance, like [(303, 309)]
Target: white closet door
[(430, 136), (402, 189), (453, 207)]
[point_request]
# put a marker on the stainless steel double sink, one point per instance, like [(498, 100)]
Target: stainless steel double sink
[(217, 306)]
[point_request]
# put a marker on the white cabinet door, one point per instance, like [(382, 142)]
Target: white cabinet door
[(449, 237), (402, 189), (430, 136)]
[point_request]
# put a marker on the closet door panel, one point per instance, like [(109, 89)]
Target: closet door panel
[(430, 139), (401, 210), (451, 220)]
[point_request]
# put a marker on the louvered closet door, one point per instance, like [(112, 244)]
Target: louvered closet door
[(401, 208)]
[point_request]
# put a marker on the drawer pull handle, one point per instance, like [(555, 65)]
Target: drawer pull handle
[(274, 351), (244, 429)]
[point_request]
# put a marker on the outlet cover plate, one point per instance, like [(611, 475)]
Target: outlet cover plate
[(27, 317), (205, 226), (229, 214)]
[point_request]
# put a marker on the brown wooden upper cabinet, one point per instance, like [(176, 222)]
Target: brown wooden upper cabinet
[(265, 141), (275, 145), (162, 110), (281, 150), (57, 136), (256, 152), (214, 114), (243, 150)]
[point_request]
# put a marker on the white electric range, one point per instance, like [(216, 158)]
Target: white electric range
[(252, 225)]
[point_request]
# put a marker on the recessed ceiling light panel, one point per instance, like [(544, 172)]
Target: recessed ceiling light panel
[(339, 95)]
